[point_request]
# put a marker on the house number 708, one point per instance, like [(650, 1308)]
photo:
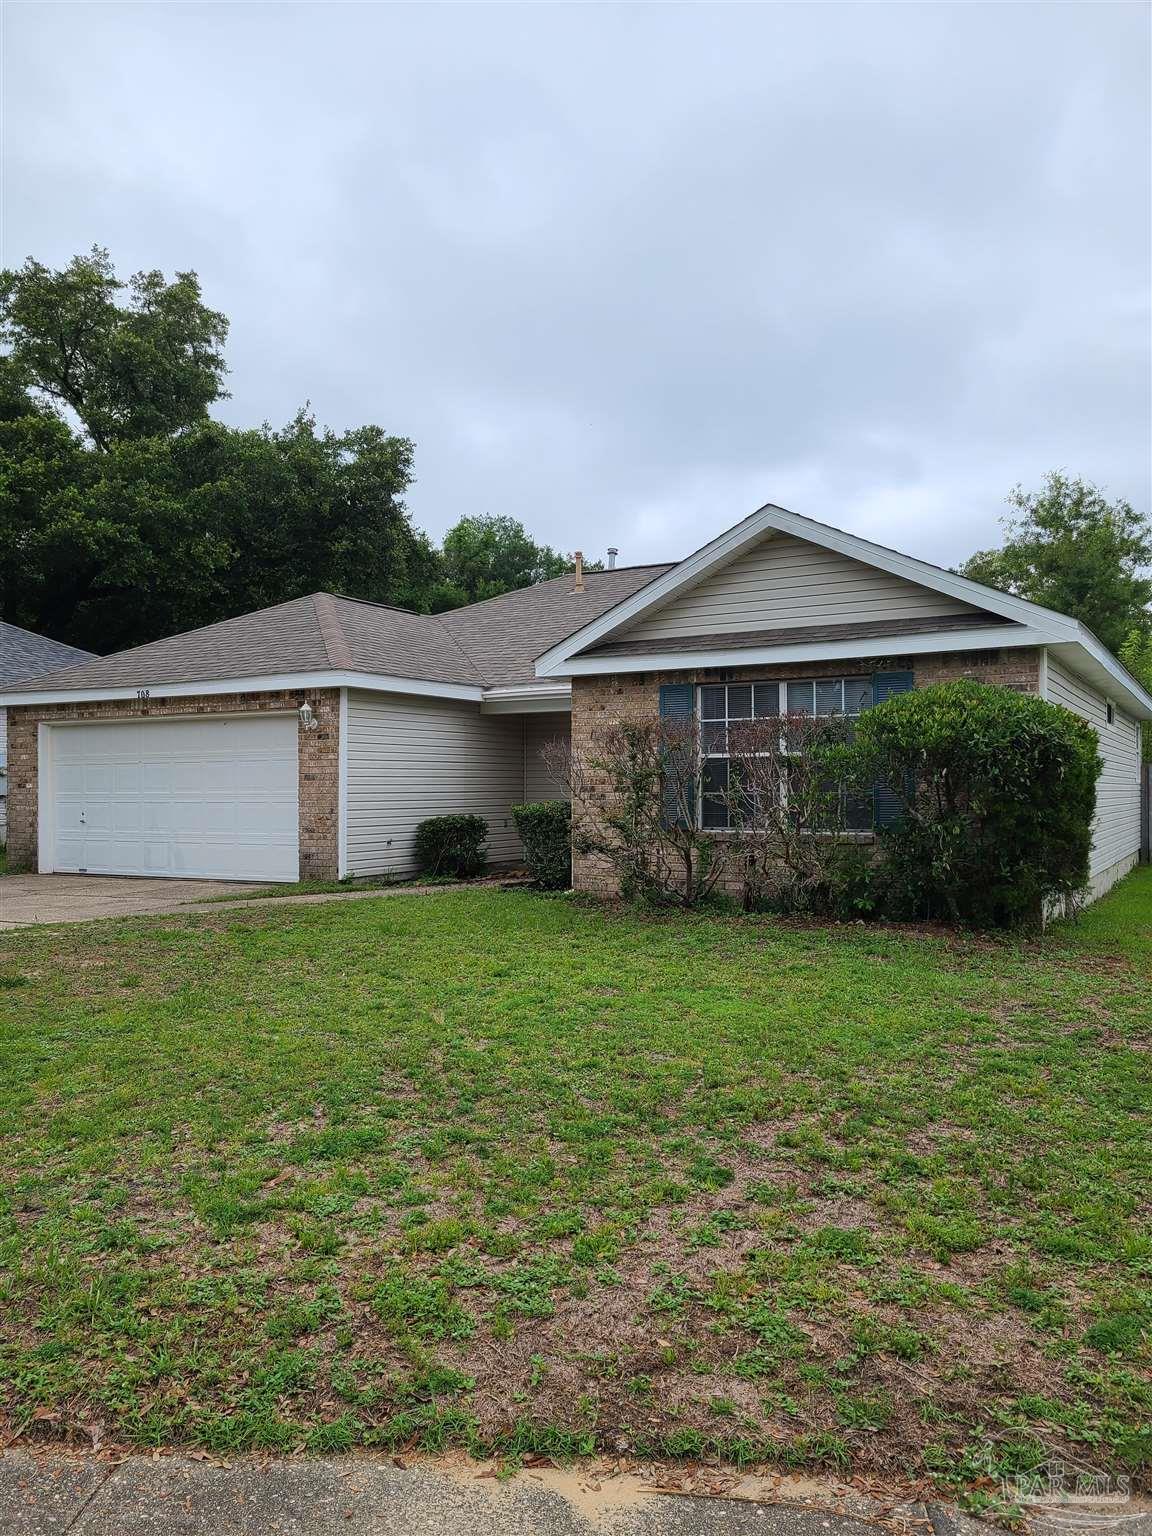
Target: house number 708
[(142, 695)]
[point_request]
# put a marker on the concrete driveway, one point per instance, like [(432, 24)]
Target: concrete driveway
[(26, 899)]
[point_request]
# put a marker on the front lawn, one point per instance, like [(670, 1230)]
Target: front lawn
[(515, 1172)]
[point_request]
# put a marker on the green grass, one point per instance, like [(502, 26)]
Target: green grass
[(333, 887), (518, 1173)]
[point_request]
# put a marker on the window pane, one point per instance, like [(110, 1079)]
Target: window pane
[(858, 813), (857, 694), (799, 698), (740, 701), (715, 785), (712, 703), (713, 738), (829, 696), (767, 699)]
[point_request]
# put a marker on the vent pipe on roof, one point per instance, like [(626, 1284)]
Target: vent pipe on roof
[(612, 553), (578, 557)]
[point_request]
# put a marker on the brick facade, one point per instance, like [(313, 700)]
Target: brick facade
[(318, 763), (601, 701)]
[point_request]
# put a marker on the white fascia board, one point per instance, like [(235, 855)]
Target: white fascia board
[(1090, 660), (825, 650), (303, 681), (772, 519), (530, 700)]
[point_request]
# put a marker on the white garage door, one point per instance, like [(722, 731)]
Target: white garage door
[(213, 798)]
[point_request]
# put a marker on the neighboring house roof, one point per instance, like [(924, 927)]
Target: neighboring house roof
[(489, 644), (24, 654)]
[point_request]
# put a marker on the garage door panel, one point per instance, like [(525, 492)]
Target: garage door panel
[(96, 778), (211, 798), (127, 779)]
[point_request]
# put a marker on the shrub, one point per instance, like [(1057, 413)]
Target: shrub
[(452, 845), (633, 789), (998, 792), (546, 831), (786, 800)]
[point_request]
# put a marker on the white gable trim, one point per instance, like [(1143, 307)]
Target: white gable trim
[(723, 550)]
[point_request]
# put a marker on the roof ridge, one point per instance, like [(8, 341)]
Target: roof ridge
[(439, 618), (332, 632)]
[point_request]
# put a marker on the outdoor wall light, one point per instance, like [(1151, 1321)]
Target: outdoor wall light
[(307, 717)]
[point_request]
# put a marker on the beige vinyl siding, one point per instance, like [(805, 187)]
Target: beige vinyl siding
[(410, 758), (787, 582), (538, 731), (1116, 833)]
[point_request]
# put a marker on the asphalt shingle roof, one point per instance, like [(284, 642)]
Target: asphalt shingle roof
[(24, 654), (485, 645)]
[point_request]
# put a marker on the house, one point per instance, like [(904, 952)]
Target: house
[(308, 740), (22, 655)]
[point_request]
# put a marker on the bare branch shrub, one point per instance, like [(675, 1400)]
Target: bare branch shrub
[(634, 804), (787, 800)]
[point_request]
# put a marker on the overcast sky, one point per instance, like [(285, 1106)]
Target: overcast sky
[(628, 273)]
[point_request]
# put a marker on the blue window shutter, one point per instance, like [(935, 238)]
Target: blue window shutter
[(885, 684), (677, 702), (887, 805)]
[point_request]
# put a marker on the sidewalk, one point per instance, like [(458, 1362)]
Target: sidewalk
[(48, 1495)]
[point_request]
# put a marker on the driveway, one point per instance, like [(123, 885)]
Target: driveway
[(26, 899)]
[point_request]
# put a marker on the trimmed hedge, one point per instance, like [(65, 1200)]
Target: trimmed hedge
[(998, 791), (452, 845), (546, 831)]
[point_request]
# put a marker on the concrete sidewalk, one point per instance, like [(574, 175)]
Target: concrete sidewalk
[(356, 1495)]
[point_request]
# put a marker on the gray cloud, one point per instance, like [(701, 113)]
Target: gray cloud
[(627, 273)]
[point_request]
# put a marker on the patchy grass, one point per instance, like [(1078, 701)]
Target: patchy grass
[(518, 1173)]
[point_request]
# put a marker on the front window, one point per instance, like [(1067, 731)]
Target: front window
[(724, 705)]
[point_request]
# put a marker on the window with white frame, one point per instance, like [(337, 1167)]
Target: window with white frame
[(724, 704)]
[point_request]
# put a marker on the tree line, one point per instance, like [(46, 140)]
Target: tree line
[(128, 512)]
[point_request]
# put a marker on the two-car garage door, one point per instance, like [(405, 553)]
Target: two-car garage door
[(215, 798)]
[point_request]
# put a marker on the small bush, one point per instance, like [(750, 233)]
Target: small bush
[(998, 790), (452, 845), (546, 831)]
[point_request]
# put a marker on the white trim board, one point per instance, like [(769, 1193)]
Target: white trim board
[(274, 683)]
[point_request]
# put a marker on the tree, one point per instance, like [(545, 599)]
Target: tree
[(487, 555), (1071, 549), (1136, 654), (145, 368), (155, 518)]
